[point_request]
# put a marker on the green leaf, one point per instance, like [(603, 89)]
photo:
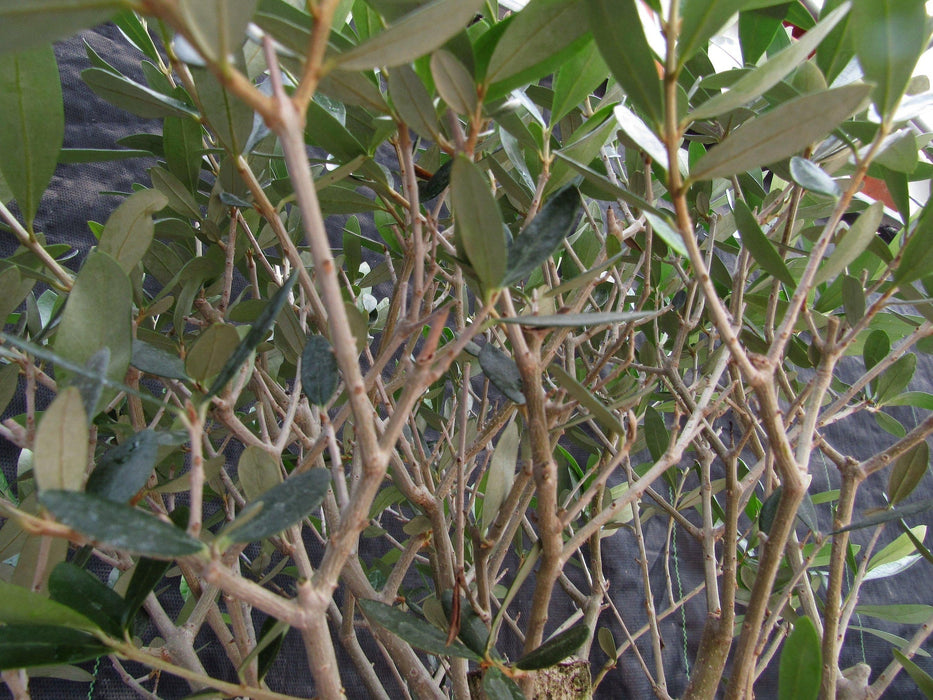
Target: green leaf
[(176, 195), (917, 257), (9, 383), (181, 140), (154, 360), (907, 472), (757, 29), (454, 82), (136, 31), (894, 379), (258, 471), (32, 123), (534, 43), (606, 418), (812, 177), (556, 649), (876, 348), (758, 81), (129, 95), (620, 36), (656, 435), (597, 318), (780, 132), (760, 246), (837, 50), (920, 677), (418, 33), (13, 289), (498, 686), (280, 507), (123, 471), (25, 646), (853, 299), (218, 27), (231, 119), (255, 336), (412, 101), (479, 223), (501, 473), (119, 526), (20, 606), (271, 636), (540, 238), (906, 614), (502, 372), (860, 234), (642, 135), (889, 514), (27, 23), (419, 633), (889, 36), (801, 663), (319, 371), (899, 152), (84, 593), (129, 230), (577, 78), (667, 232), (700, 21), (211, 352), (353, 89), (146, 575), (896, 556), (605, 185), (60, 456)]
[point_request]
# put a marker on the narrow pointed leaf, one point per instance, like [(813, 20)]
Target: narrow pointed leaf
[(895, 379), (618, 31), (132, 96), (21, 606), (84, 593), (28, 23), (889, 514), (14, 287), (920, 677), (540, 238), (905, 614), (231, 119), (801, 663), (556, 649), (657, 436), (129, 230), (255, 336), (667, 232), (280, 507), (606, 418), (760, 246), (897, 551), (412, 101), (907, 472), (123, 470), (32, 123), (154, 360), (501, 473), (642, 135), (454, 82), (437, 184), (498, 686), (810, 176), (420, 633), (175, 193), (146, 575), (217, 26), (60, 457), (597, 318), (781, 132), (319, 371), (502, 372), (577, 79), (479, 223), (700, 21), (917, 259), (418, 33), (119, 526), (853, 243), (25, 646)]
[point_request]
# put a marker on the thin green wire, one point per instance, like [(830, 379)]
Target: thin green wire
[(680, 586), (90, 691)]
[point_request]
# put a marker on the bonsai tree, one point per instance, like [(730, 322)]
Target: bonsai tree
[(426, 305)]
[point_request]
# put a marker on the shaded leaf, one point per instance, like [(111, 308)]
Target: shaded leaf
[(129, 230), (9, 383), (32, 122), (146, 575), (801, 663), (656, 434), (271, 637), (211, 351), (84, 593), (890, 514), (255, 336), (412, 101), (182, 142), (853, 243), (905, 614), (280, 507), (177, 196), (606, 418), (421, 634), (920, 677), (812, 177), (154, 360), (540, 238), (577, 78), (479, 223), (230, 118), (498, 686), (25, 646), (27, 23), (13, 289), (700, 21), (437, 184), (454, 82), (769, 510), (123, 470), (418, 33), (780, 132), (876, 348), (917, 257), (133, 97), (853, 299), (501, 473), (119, 526), (502, 372), (20, 606), (907, 472), (556, 649), (60, 456), (473, 631), (217, 26), (759, 245), (258, 471), (320, 374), (894, 379), (605, 185), (597, 318)]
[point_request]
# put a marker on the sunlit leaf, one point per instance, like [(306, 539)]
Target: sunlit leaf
[(60, 457), (579, 320), (896, 556), (577, 78)]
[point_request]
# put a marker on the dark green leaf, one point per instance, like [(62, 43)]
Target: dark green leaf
[(907, 472), (138, 34), (769, 510), (853, 243), (230, 118), (502, 372), (701, 20), (479, 223), (837, 50), (60, 457), (25, 646), (154, 360), (917, 258), (20, 606), (577, 78), (780, 132), (218, 27), (540, 238), (801, 663), (894, 379), (454, 82), (9, 382), (418, 33), (473, 631), (853, 299), (26, 23), (129, 230), (920, 677), (421, 634), (606, 418), (84, 593), (757, 29), (889, 514), (811, 176), (255, 336), (119, 526), (280, 507), (271, 637), (876, 348), (319, 371), (889, 36), (32, 122), (13, 289), (605, 185), (618, 31), (437, 184), (759, 245), (498, 686), (181, 140), (556, 649), (176, 194), (656, 435), (412, 101), (133, 97), (146, 575), (904, 614), (123, 470)]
